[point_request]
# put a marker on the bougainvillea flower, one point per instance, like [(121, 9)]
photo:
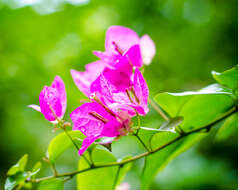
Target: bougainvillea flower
[(52, 100), (84, 79), (134, 99), (119, 72), (95, 122), (122, 36), (141, 93), (120, 39), (148, 49), (119, 77)]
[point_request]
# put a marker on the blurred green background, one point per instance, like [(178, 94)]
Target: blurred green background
[(43, 38)]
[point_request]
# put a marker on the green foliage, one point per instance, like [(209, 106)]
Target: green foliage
[(228, 78), (52, 184), (194, 106), (229, 128), (19, 166), (189, 112), (157, 161), (171, 124), (16, 179), (100, 178), (123, 170), (17, 174), (192, 37), (36, 168), (61, 143)]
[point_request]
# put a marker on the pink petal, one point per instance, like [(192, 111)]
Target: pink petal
[(52, 100), (50, 103), (122, 36), (124, 107), (110, 96), (84, 79), (148, 49), (81, 80), (111, 129), (124, 64), (118, 78), (141, 89), (107, 57), (35, 107), (95, 68), (86, 143), (92, 127), (109, 82), (86, 123), (141, 110), (58, 84), (103, 88), (134, 56)]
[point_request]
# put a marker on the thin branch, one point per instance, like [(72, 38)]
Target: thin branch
[(76, 146), (141, 141), (216, 121), (52, 165), (138, 123), (66, 132), (71, 174), (158, 109)]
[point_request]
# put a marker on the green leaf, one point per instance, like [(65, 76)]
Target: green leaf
[(123, 170), (229, 128), (157, 161), (14, 180), (36, 168), (171, 124), (53, 184), (195, 107), (228, 78), (27, 185), (60, 144), (101, 178), (19, 166)]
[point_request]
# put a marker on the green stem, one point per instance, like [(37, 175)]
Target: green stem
[(138, 123), (76, 146), (54, 169), (71, 174), (141, 141), (158, 109)]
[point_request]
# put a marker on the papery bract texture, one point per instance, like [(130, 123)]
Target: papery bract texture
[(52, 100), (148, 49), (94, 122), (123, 37), (133, 97), (141, 90), (119, 42), (84, 79), (134, 56)]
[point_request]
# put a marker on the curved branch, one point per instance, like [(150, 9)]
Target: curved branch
[(208, 127)]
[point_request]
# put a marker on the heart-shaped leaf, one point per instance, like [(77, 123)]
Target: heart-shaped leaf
[(195, 107), (61, 143)]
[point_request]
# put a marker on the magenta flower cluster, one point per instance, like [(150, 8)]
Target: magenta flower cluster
[(115, 86)]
